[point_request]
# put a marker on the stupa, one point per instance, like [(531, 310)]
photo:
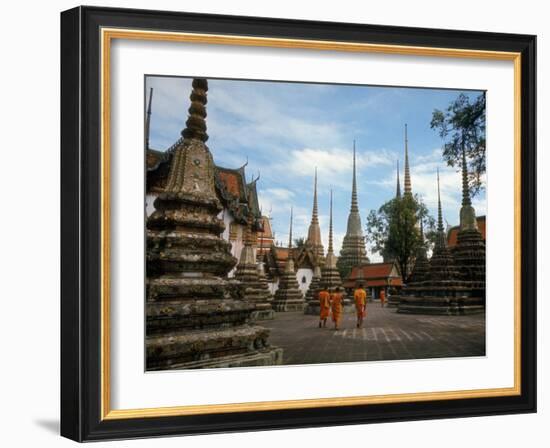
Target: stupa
[(312, 295), (443, 292), (195, 315), (353, 251), (398, 186), (253, 288), (288, 296), (419, 274), (469, 252), (421, 269), (407, 182), (330, 275)]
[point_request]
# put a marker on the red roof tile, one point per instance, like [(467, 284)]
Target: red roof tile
[(231, 182)]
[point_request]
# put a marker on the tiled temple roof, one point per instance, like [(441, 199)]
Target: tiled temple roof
[(375, 274), (238, 196)]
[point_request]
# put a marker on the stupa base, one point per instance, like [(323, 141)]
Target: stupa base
[(313, 309), (267, 314), (393, 302), (268, 357), (448, 306), (289, 307)]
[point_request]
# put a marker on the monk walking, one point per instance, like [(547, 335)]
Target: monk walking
[(324, 307), (360, 297), (382, 298), (336, 299)]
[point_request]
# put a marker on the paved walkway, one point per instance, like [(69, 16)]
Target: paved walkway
[(386, 336)]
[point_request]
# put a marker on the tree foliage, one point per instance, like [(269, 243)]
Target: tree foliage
[(299, 242), (462, 124), (393, 230)]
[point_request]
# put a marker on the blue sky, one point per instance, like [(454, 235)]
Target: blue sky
[(287, 129)]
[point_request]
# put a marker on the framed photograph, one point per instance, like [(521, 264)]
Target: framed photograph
[(278, 224)]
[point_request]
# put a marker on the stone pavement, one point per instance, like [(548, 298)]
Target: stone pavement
[(385, 335)]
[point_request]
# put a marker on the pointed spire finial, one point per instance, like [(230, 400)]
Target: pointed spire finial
[(354, 206), (315, 212), (398, 187), (466, 200), (408, 186), (440, 228), (148, 119), (195, 126), (290, 229), (330, 248)]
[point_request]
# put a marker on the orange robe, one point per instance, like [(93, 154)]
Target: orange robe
[(382, 296), (336, 302), (360, 297), (324, 304)]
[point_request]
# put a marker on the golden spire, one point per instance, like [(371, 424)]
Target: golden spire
[(408, 187)]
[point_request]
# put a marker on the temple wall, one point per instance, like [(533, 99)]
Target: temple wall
[(300, 274), (273, 286), (149, 207), (233, 233)]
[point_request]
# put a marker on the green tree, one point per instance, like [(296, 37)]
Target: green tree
[(299, 242), (462, 124), (393, 230)]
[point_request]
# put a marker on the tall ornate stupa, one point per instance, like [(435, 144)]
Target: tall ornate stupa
[(312, 295), (443, 292), (407, 184), (469, 252), (330, 276), (353, 251), (262, 278), (421, 269), (195, 316), (314, 232), (398, 186), (288, 296), (252, 286)]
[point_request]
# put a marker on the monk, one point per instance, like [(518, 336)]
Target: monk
[(360, 297), (324, 307), (382, 297), (336, 299)]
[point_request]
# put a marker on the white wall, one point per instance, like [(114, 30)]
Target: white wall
[(149, 204), (308, 274), (30, 139)]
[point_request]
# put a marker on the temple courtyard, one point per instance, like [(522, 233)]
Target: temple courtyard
[(386, 335)]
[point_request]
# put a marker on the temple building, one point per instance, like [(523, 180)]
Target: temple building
[(288, 296), (265, 238), (353, 252), (443, 292), (239, 199), (376, 277), (196, 316)]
